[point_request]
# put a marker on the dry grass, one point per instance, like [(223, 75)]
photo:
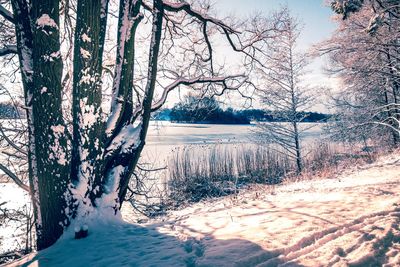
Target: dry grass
[(328, 159), (199, 172)]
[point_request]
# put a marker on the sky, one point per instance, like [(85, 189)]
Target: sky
[(314, 15), (317, 26)]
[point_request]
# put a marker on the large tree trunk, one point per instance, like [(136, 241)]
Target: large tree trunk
[(88, 124), (124, 157), (24, 44), (50, 138)]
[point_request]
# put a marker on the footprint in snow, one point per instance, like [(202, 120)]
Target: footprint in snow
[(195, 246)]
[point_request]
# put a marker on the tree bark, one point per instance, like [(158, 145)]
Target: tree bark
[(158, 13), (298, 151), (50, 141), (88, 124), (25, 45)]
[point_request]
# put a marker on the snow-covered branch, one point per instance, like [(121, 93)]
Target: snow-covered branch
[(121, 106)]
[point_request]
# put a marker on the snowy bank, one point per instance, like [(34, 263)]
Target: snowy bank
[(352, 220)]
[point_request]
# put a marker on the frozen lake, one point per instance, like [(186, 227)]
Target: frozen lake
[(169, 133), (164, 137)]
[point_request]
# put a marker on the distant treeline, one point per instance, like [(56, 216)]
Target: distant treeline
[(209, 111), (270, 116), (216, 116), (206, 110)]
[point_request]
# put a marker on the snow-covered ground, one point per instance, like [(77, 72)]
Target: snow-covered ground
[(352, 220)]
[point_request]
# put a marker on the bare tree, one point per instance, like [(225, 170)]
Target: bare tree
[(283, 89), (364, 54), (80, 155)]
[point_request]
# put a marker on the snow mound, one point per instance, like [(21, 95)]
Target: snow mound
[(352, 220)]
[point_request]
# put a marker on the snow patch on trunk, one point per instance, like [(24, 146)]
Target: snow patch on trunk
[(85, 54), (46, 21), (110, 200), (85, 38), (56, 149), (127, 139)]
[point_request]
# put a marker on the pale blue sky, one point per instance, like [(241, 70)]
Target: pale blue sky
[(314, 14)]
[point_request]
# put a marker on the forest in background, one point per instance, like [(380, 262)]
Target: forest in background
[(209, 110)]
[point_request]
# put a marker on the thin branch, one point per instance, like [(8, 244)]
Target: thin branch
[(14, 178), (6, 14), (11, 143), (185, 81), (8, 49)]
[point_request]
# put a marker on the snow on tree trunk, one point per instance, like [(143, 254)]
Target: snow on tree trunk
[(88, 122), (158, 14), (24, 45), (50, 139), (120, 168), (122, 102)]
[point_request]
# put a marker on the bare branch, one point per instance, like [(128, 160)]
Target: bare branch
[(14, 177), (8, 49), (11, 143), (185, 81), (6, 14)]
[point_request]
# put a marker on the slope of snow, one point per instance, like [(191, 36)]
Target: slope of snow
[(352, 220)]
